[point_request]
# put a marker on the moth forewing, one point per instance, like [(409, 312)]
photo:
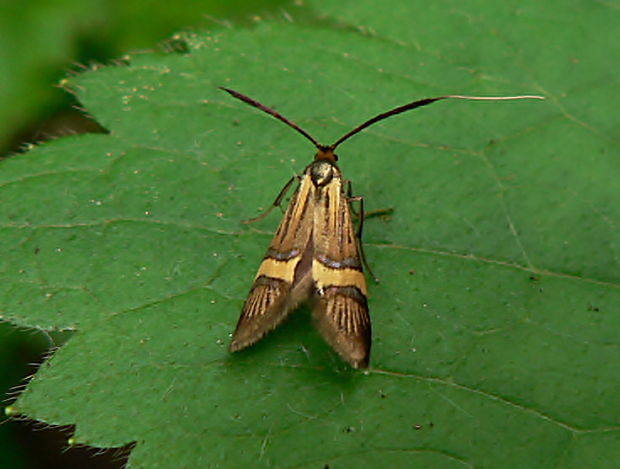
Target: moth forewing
[(264, 308), (341, 309), (276, 288), (341, 316)]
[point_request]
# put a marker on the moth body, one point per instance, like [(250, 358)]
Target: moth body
[(313, 257), (316, 254)]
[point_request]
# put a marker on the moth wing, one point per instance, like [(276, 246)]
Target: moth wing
[(264, 309), (343, 321), (341, 311), (277, 289)]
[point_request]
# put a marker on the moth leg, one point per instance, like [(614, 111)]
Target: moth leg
[(350, 197), (379, 212), (373, 213), (276, 203), (358, 235)]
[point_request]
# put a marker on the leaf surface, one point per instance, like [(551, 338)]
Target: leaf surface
[(494, 326)]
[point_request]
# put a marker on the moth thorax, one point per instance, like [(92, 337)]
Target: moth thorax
[(322, 172)]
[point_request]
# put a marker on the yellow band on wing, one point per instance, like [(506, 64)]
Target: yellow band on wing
[(284, 270), (325, 276)]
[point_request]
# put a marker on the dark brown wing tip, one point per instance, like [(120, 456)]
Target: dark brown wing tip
[(359, 364), (265, 308), (245, 339), (235, 346), (355, 351), (245, 336), (344, 324)]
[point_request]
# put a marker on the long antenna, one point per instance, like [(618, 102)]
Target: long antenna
[(273, 113), (419, 103), (369, 122)]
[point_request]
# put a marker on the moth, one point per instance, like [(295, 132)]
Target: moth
[(316, 253)]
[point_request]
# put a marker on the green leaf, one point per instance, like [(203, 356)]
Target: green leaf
[(494, 326)]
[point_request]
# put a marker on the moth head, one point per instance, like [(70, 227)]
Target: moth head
[(325, 153)]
